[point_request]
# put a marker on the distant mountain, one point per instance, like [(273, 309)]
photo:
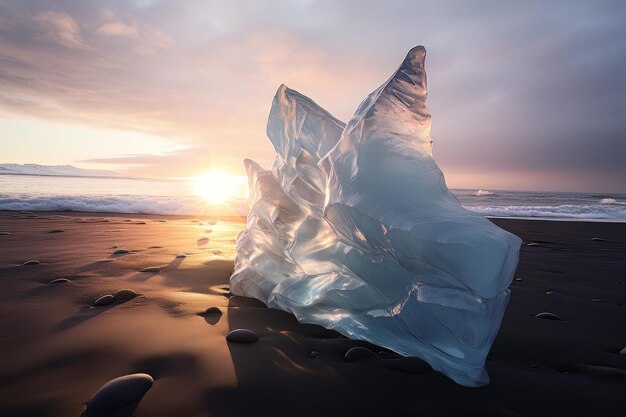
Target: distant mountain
[(54, 170)]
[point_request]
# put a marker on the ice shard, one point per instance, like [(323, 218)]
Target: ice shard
[(354, 229)]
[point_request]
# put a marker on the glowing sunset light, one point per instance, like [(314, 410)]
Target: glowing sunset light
[(218, 187)]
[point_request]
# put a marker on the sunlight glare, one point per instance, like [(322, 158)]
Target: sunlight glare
[(217, 187)]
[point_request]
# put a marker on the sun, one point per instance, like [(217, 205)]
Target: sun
[(218, 187)]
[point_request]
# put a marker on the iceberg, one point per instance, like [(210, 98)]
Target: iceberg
[(354, 229)]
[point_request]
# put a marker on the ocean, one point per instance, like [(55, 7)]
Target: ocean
[(179, 197)]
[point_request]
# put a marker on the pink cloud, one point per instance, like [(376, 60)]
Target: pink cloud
[(60, 27)]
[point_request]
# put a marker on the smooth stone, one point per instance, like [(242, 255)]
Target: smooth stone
[(597, 239), (623, 352), (31, 262), (121, 251), (104, 300), (550, 292), (55, 231), (532, 244), (315, 354), (4, 233), (415, 366), (203, 241), (59, 281), (211, 311), (181, 255), (151, 269), (119, 396), (124, 294), (242, 336), (518, 279), (357, 353), (389, 355), (548, 316)]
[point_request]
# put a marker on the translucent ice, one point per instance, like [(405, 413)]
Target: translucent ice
[(354, 229)]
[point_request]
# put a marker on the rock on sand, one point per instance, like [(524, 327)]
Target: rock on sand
[(242, 336), (119, 396), (104, 300), (211, 311), (357, 353), (124, 294), (59, 281), (548, 316)]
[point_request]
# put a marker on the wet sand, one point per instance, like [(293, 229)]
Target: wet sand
[(56, 349)]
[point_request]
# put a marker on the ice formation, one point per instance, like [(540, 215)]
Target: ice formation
[(354, 229)]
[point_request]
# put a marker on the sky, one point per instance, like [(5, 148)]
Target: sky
[(523, 95)]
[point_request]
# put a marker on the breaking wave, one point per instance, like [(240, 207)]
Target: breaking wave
[(182, 205), (565, 211), (482, 193)]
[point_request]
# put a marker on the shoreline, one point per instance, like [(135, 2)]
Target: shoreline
[(239, 216), (58, 349)]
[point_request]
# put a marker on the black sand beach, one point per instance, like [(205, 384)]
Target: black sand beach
[(56, 349)]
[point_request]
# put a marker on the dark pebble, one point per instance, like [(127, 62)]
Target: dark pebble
[(124, 294), (211, 311), (315, 354), (104, 300), (59, 281), (121, 251), (4, 233), (409, 365), (119, 396), (357, 353), (55, 231), (532, 244), (151, 269), (31, 262), (242, 336), (548, 316), (386, 354), (597, 239)]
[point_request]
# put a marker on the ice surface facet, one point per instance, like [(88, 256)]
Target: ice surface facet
[(354, 229)]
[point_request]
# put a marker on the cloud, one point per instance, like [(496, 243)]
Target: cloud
[(523, 87), (61, 27), (145, 40), (118, 29)]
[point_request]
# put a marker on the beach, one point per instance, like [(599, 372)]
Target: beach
[(58, 349)]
